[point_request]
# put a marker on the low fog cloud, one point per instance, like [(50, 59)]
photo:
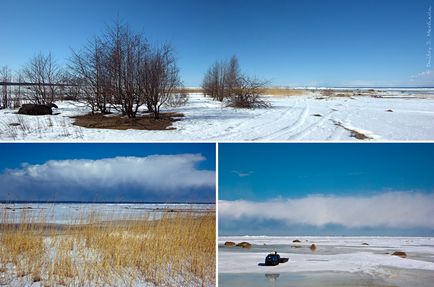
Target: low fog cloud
[(388, 209), (162, 177)]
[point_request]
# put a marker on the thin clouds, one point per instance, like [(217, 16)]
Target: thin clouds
[(425, 78), (388, 209), (242, 174), (157, 176)]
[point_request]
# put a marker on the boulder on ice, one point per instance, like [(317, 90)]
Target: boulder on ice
[(229, 244), (244, 245)]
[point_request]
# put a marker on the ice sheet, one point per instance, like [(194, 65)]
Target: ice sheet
[(343, 254)]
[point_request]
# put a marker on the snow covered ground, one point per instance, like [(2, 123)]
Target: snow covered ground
[(386, 115), (342, 256)]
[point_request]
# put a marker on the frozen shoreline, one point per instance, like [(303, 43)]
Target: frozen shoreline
[(76, 213), (342, 259)]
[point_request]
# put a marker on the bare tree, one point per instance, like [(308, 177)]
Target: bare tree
[(209, 84), (232, 77), (42, 71), (224, 81), (126, 58), (161, 81), (121, 71), (214, 81), (5, 77), (89, 76)]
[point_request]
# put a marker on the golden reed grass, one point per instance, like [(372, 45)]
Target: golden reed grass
[(269, 91), (175, 249)]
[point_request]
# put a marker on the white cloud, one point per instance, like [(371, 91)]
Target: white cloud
[(164, 174), (389, 209), (425, 78)]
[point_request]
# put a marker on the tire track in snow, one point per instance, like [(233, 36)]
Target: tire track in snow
[(249, 128), (298, 131), (288, 129), (305, 132), (320, 123)]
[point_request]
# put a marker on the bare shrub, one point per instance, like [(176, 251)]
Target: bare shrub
[(224, 81), (327, 92), (248, 94), (177, 100)]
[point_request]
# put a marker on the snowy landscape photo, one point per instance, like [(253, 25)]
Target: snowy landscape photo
[(107, 215), (204, 143), (326, 215), (217, 70)]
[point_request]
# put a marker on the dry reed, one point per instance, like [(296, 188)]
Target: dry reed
[(174, 249)]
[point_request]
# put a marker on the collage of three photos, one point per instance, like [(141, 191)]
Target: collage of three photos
[(216, 143)]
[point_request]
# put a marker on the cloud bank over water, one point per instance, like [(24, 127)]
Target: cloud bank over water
[(153, 178), (395, 210)]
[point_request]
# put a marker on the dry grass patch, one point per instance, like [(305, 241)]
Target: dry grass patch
[(115, 122), (285, 92), (353, 133), (177, 249), (272, 91), (188, 90)]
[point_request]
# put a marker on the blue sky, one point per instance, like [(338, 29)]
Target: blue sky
[(108, 172), (297, 43), (301, 188)]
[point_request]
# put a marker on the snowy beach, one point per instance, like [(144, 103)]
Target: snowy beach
[(61, 244), (361, 261), (389, 114)]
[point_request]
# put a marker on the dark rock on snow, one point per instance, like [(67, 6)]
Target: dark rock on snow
[(36, 110)]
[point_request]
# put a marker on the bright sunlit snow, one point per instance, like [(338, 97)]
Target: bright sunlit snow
[(389, 115)]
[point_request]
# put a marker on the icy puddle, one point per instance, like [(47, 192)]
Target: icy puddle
[(417, 278), (337, 261)]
